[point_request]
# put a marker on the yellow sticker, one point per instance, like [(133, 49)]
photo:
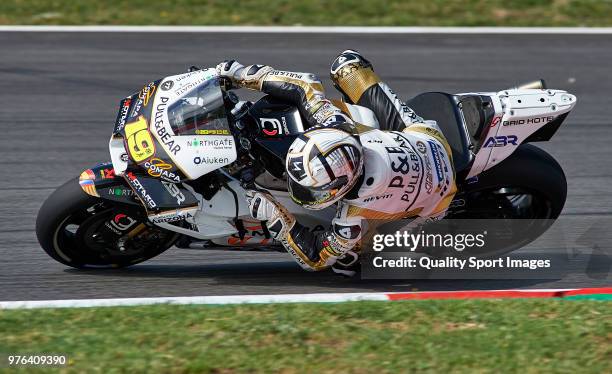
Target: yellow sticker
[(212, 132), (146, 94), (139, 140)]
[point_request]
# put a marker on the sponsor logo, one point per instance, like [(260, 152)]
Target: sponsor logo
[(346, 231), (170, 217), (345, 59), (376, 198), (436, 157), (124, 157), (120, 223), (159, 168), (296, 168), (142, 192), (226, 143), (120, 192), (292, 252), (123, 113), (495, 121), (186, 75), (410, 165), (212, 132), (167, 85), (413, 188), (210, 160), (528, 121), (175, 192), (147, 93), (420, 146), (144, 97), (189, 86), (501, 141), (428, 175), (287, 74), (325, 111), (162, 133), (107, 173), (272, 126), (403, 165), (139, 141)]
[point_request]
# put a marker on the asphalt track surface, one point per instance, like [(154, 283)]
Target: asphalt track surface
[(59, 95)]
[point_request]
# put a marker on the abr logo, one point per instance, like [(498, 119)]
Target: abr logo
[(501, 141)]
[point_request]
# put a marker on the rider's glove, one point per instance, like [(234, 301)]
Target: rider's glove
[(264, 207), (347, 265), (229, 70), (240, 76)]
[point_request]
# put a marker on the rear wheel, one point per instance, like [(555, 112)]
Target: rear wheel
[(524, 194), (80, 230)]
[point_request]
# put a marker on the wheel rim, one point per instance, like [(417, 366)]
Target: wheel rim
[(526, 214), (503, 203), (103, 236)]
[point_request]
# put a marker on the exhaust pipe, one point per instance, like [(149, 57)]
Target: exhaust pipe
[(535, 85)]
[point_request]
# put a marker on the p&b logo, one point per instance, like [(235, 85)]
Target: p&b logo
[(501, 141)]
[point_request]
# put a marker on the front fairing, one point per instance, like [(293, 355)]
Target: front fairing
[(174, 129)]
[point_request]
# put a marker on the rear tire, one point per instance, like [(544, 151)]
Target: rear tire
[(529, 168), (530, 186), (69, 220)]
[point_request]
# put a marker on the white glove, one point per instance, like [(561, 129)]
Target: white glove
[(264, 207), (240, 76), (230, 69)]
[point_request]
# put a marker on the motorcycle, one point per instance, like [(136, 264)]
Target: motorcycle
[(184, 149)]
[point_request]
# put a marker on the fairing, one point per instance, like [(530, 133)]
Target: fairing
[(101, 181), (520, 115), (174, 129)]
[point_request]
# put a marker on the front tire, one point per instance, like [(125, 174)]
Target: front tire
[(80, 230)]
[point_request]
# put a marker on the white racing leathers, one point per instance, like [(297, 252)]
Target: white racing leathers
[(407, 174), (408, 171)]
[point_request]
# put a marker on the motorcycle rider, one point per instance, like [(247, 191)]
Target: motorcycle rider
[(404, 170)]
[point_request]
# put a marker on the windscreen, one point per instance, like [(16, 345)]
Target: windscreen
[(200, 111)]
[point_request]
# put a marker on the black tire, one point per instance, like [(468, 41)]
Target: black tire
[(529, 172), (530, 168), (70, 203)]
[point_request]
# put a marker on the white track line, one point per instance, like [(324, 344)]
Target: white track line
[(245, 299), (316, 29), (240, 299)]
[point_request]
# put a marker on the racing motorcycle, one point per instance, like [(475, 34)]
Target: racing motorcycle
[(184, 149)]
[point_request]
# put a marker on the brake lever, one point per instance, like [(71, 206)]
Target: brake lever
[(247, 179)]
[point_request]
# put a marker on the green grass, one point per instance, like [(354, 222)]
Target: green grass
[(312, 12), (427, 336)]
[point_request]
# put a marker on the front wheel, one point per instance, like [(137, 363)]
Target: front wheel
[(80, 230)]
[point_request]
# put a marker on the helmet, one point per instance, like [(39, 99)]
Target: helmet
[(323, 165)]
